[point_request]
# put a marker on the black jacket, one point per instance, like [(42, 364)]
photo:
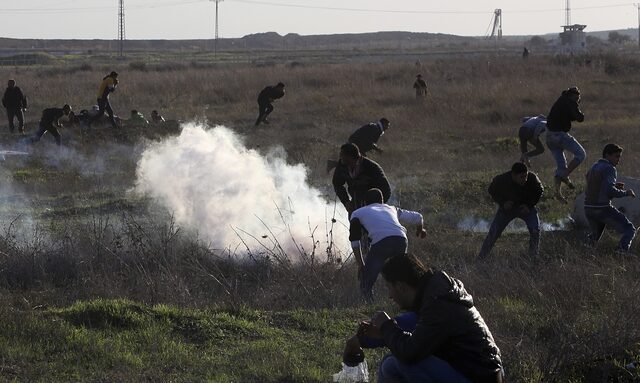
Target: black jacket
[(269, 94), (14, 99), (563, 111), (51, 116), (370, 176), (449, 327), (366, 137), (503, 189)]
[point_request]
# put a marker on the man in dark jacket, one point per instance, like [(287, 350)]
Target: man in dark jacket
[(516, 192), (450, 343), (15, 102), (50, 122), (602, 186), (421, 87), (367, 136), (265, 98), (563, 111), (359, 174)]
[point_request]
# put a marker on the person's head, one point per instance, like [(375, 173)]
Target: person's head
[(11, 83), (573, 93), (134, 112), (403, 274), (373, 196), (612, 153), (66, 109), (280, 85), (519, 173), (349, 154), (385, 123), (419, 76), (113, 74)]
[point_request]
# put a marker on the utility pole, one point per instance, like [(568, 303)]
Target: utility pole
[(121, 28), (638, 5), (567, 13), (215, 40)]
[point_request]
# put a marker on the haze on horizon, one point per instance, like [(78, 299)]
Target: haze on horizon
[(194, 19)]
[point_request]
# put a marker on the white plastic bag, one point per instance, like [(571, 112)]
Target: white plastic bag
[(357, 374)]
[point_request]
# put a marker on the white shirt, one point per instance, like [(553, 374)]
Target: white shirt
[(382, 221)]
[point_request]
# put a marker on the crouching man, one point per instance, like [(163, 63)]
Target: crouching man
[(450, 343)]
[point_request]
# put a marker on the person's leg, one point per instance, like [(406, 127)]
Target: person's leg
[(571, 144), (429, 370), (20, 115), (596, 226), (56, 135), (375, 259), (619, 222), (533, 225), (554, 143), (522, 136), (261, 109), (10, 116), (38, 134), (107, 108), (267, 111), (539, 148), (500, 221)]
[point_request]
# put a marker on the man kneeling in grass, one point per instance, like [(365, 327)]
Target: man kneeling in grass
[(450, 343)]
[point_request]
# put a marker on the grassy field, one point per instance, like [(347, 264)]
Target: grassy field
[(101, 284)]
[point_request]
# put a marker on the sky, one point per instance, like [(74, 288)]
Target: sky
[(195, 19)]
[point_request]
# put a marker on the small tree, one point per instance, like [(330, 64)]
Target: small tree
[(537, 41), (618, 38)]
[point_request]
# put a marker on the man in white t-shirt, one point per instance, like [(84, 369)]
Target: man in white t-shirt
[(388, 237)]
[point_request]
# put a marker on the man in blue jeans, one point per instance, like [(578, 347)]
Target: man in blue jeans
[(601, 188), (516, 192), (450, 343), (387, 236), (565, 110)]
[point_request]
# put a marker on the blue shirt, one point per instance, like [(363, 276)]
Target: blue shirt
[(601, 180)]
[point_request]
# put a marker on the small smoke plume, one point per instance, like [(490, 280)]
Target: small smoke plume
[(234, 196), (480, 225)]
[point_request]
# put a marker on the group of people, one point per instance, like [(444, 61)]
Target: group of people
[(442, 337), (517, 192), (15, 103)]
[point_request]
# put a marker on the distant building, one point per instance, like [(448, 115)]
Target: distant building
[(573, 40)]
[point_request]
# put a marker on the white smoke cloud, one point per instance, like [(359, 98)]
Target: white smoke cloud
[(233, 195), (479, 225)]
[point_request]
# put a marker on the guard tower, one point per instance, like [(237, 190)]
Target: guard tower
[(573, 40)]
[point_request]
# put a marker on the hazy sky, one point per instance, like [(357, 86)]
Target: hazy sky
[(186, 19)]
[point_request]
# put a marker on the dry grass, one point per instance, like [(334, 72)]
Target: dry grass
[(572, 317)]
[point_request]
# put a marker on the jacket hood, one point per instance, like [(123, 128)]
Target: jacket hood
[(443, 287)]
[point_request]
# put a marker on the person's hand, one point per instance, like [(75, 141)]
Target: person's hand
[(353, 353), (379, 318), (421, 232), (507, 205), (524, 209), (630, 193), (352, 346)]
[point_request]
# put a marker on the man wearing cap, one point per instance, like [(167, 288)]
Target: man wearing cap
[(421, 87), (15, 102), (107, 86), (50, 122), (530, 131), (265, 98), (367, 136), (562, 113)]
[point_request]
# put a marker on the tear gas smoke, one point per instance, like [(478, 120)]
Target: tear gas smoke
[(236, 197), (479, 225)]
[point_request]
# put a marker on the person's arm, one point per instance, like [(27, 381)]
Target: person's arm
[(536, 190), (576, 113), (496, 193), (338, 182), (355, 233), (431, 331), (413, 218), (609, 181)]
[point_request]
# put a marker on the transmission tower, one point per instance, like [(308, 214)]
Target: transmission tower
[(497, 24), (215, 39), (121, 27)]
